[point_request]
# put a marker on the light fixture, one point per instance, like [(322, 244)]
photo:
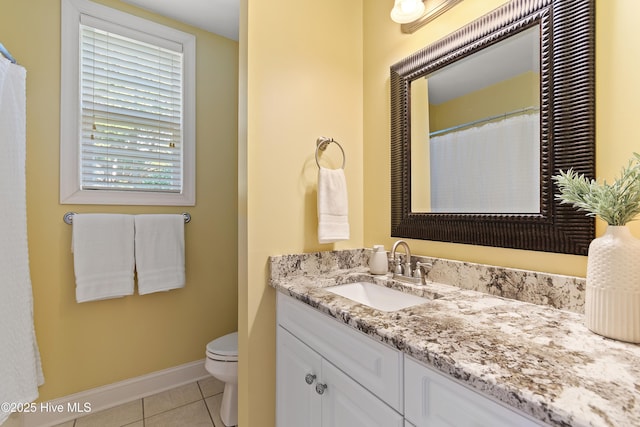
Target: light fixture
[(405, 11), (413, 14)]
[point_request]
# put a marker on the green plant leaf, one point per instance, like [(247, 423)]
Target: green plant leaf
[(616, 203)]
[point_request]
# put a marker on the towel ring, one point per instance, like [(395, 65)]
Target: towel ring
[(322, 143)]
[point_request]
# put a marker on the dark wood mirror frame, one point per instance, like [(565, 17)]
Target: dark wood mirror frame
[(567, 127)]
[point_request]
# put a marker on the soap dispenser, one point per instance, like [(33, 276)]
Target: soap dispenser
[(378, 263)]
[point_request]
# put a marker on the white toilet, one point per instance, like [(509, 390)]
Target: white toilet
[(222, 363)]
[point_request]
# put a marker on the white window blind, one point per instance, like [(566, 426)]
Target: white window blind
[(131, 114)]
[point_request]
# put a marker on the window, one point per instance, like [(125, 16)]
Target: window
[(127, 110)]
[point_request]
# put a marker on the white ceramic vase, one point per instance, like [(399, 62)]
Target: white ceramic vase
[(612, 300)]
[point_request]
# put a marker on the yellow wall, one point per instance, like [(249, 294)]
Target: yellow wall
[(302, 75), (617, 89), (420, 155), (97, 343), (514, 94)]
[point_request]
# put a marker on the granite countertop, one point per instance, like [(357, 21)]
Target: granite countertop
[(536, 358)]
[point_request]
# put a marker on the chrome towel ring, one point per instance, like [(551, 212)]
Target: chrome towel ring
[(321, 145)]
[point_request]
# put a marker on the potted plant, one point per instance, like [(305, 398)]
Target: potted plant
[(612, 299)]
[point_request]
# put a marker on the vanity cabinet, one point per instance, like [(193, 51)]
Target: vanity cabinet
[(433, 399), (330, 375)]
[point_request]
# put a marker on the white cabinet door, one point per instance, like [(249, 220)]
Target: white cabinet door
[(375, 366), (434, 400), (297, 403), (311, 392), (346, 403)]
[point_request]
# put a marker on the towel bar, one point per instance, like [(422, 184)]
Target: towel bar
[(68, 217), (322, 143)]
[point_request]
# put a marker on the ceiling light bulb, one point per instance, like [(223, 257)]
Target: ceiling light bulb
[(405, 11)]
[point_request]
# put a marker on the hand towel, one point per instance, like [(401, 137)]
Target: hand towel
[(20, 367), (103, 256), (159, 252), (333, 221)]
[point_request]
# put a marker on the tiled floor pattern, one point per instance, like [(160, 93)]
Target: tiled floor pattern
[(192, 405)]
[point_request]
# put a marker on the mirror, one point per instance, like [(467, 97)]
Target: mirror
[(475, 141), (482, 119)]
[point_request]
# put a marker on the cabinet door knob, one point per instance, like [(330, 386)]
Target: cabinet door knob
[(310, 378), (320, 388)]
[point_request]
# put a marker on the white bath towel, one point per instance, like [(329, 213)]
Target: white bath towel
[(103, 256), (159, 252), (333, 212), (20, 368)]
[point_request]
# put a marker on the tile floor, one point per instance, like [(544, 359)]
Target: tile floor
[(192, 405)]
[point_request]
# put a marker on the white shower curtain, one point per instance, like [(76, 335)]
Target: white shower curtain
[(20, 369), (493, 168)]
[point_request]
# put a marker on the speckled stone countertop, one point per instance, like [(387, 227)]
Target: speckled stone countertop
[(536, 358)]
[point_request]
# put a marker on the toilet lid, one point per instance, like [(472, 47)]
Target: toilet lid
[(226, 345)]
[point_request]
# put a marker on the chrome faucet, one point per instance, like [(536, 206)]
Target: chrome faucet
[(406, 271), (404, 274)]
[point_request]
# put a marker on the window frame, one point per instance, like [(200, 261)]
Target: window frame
[(71, 191)]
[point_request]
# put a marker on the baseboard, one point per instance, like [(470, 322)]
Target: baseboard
[(66, 408)]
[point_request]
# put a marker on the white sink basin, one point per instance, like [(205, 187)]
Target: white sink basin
[(376, 296)]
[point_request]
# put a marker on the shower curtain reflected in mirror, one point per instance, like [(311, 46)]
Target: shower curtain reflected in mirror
[(492, 168)]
